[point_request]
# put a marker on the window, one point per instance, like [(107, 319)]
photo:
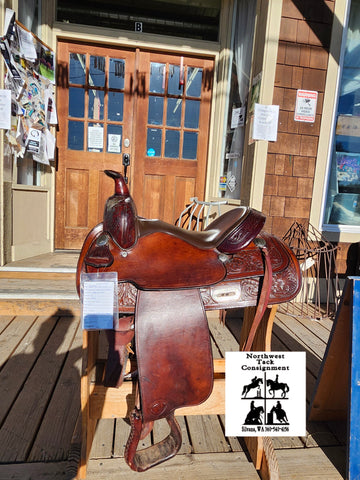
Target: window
[(342, 207), (190, 19), (174, 112), (29, 13), (96, 103), (28, 171), (230, 180)]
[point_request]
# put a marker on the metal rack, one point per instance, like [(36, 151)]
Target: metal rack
[(319, 294)]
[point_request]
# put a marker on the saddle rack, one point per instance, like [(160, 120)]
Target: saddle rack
[(99, 402)]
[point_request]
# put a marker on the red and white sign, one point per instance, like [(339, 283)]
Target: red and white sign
[(305, 108)]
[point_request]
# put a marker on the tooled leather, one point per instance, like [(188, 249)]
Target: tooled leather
[(243, 233), (249, 262)]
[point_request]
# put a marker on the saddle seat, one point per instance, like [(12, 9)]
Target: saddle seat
[(229, 233), (153, 254)]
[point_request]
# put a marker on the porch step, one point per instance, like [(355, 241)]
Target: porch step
[(42, 296), (49, 288), (37, 274), (40, 285), (47, 307)]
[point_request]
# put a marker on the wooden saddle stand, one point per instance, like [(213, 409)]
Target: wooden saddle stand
[(167, 278)]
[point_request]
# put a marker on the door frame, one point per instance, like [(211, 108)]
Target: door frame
[(88, 162), (155, 51), (210, 50)]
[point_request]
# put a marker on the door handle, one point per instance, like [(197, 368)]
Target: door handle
[(126, 163)]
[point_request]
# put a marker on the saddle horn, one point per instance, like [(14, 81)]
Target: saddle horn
[(120, 213), (120, 185)]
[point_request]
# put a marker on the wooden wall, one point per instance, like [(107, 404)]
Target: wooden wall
[(301, 64)]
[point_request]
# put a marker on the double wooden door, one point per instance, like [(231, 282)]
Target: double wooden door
[(152, 107)]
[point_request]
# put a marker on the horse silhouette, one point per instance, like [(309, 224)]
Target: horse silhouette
[(253, 417), (254, 384), (280, 414), (274, 386)]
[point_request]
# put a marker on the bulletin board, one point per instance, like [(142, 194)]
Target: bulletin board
[(28, 112)]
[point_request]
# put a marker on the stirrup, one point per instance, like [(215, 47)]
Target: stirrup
[(160, 452)]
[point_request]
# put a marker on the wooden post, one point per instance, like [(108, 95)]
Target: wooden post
[(330, 398), (261, 449), (98, 401), (88, 424), (337, 392)]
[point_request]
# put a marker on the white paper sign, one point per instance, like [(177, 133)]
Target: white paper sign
[(265, 394), (50, 142), (114, 143), (305, 108), (9, 22), (238, 117), (96, 138), (33, 141), (265, 125), (5, 109), (41, 155), (20, 133), (27, 47), (50, 106)]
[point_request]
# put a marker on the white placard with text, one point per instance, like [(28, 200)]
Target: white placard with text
[(265, 394)]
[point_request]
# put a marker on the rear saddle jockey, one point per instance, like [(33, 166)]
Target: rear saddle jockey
[(167, 278)]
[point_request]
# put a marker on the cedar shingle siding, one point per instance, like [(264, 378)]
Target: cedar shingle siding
[(301, 64)]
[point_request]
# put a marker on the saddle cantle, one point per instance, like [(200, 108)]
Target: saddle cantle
[(167, 278)]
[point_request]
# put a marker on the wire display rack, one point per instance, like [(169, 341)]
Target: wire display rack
[(319, 294)]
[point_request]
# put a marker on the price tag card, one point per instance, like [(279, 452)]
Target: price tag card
[(99, 301)]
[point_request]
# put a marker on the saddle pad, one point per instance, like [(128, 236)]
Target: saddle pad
[(173, 351)]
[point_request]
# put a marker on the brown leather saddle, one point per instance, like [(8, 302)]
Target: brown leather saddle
[(167, 278)]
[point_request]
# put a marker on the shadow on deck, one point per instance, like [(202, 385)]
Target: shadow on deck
[(40, 357)]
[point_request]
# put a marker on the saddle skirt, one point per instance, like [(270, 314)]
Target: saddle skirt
[(167, 278)]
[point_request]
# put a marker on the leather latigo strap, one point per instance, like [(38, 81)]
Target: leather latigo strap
[(119, 340), (264, 295), (175, 367)]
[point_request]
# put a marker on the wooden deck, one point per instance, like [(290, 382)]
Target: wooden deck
[(40, 365), (40, 406)]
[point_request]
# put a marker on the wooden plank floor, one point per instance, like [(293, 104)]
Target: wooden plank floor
[(40, 357)]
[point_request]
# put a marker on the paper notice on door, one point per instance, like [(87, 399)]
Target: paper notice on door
[(95, 138), (114, 143), (265, 125)]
